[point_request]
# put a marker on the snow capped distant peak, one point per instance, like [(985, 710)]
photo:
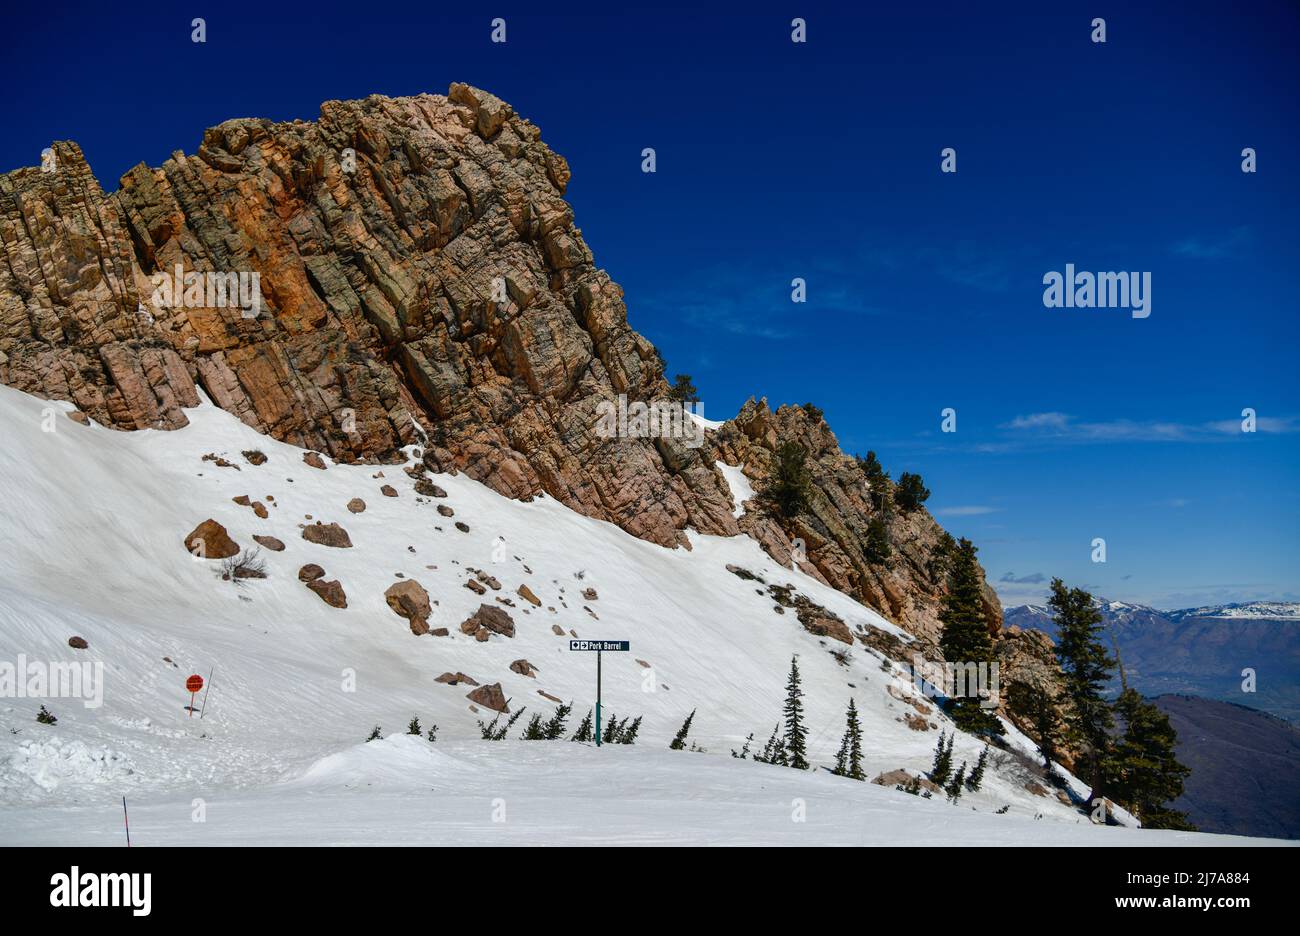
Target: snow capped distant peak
[(1262, 610)]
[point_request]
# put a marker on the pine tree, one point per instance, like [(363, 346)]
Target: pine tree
[(584, 732), (533, 731), (679, 740), (848, 762), (942, 765), (965, 641), (789, 485), (1037, 706), (977, 775), (414, 726), (612, 730), (1087, 667), (682, 390), (491, 732), (877, 548), (433, 733), (911, 492), (46, 717), (796, 734), (628, 735), (553, 730), (1142, 771), (376, 735), (953, 789), (743, 753), (774, 750), (878, 486)]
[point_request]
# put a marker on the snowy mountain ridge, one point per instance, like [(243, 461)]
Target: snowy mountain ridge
[(297, 685)]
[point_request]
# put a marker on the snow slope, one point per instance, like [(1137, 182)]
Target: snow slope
[(91, 544)]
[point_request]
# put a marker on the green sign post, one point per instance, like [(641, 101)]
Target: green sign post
[(600, 646)]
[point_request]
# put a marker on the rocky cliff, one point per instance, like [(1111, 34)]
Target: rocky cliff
[(419, 278)]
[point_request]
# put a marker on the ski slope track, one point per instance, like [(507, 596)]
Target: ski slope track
[(92, 545)]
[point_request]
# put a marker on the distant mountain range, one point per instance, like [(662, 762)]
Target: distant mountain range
[(1200, 651), (1245, 767)]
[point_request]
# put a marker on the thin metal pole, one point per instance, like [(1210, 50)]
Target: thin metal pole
[(205, 692), (127, 820), (597, 698)]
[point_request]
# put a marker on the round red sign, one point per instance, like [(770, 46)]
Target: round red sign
[(194, 683)]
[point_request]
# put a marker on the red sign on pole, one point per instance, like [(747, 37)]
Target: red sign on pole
[(193, 685)]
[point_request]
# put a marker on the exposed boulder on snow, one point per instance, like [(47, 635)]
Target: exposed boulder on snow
[(327, 534), (356, 505), (409, 599), (446, 511), (488, 619), (475, 587), (78, 643), (388, 490), (428, 489), (314, 459), (255, 457), (589, 594), (489, 697), (524, 668), (270, 542), (455, 679), (330, 592), (209, 540), (526, 593), (903, 778), (310, 572)]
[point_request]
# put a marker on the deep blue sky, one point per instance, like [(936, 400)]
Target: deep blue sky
[(821, 160)]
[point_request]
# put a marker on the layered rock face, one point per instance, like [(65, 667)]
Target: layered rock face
[(419, 279), (832, 529), (419, 275)]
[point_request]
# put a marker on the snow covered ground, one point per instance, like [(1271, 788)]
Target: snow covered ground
[(91, 545)]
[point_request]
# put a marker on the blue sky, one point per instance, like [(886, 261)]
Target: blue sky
[(821, 161)]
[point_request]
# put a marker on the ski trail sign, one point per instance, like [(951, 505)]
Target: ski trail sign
[(600, 646)]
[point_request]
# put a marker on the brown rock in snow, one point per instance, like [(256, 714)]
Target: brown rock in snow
[(330, 592), (524, 668), (209, 540), (327, 534), (356, 505), (489, 697), (409, 599), (270, 542), (310, 572), (314, 459), (78, 643), (526, 593)]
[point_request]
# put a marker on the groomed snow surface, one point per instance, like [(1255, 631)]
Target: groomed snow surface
[(92, 545)]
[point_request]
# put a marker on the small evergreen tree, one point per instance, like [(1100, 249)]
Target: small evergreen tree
[(774, 750), (553, 730), (789, 486), (743, 753), (848, 762), (942, 764), (414, 726), (911, 492), (877, 548), (46, 717), (1087, 668), (796, 734), (679, 740), (628, 735), (976, 777), (491, 732), (612, 730), (683, 390), (533, 731), (433, 733), (953, 789), (376, 735), (584, 732)]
